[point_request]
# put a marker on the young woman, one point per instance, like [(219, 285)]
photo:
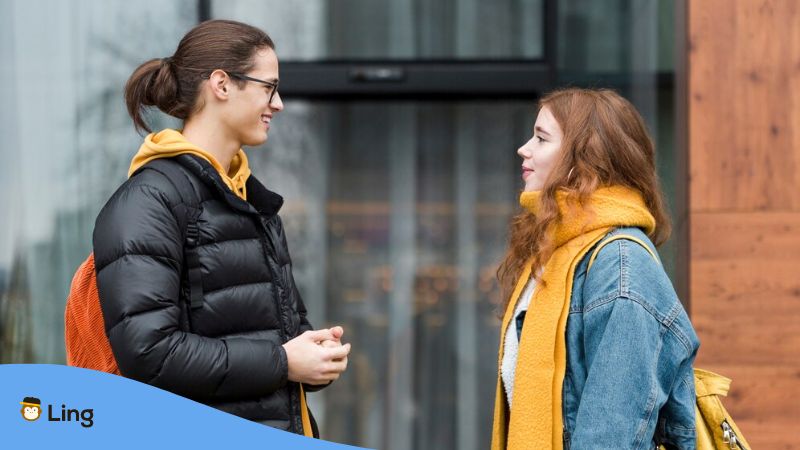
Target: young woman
[(596, 350), (193, 270)]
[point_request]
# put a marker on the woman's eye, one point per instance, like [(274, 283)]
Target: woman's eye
[(538, 139)]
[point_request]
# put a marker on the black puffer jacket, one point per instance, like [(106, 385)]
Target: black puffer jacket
[(227, 353)]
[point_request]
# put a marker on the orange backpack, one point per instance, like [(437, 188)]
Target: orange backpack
[(84, 329)]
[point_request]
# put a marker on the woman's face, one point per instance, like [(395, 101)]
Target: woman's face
[(249, 112), (540, 153)]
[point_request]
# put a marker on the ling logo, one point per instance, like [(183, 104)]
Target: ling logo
[(31, 408)]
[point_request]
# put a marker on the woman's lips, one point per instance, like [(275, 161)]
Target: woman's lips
[(526, 172)]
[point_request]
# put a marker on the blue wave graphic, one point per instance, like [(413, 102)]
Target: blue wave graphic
[(124, 414)]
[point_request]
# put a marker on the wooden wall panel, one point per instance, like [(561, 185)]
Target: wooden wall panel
[(745, 288), (745, 306), (757, 236), (743, 106)]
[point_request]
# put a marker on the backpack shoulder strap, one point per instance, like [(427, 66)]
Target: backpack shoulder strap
[(615, 238), (187, 217), (177, 176)]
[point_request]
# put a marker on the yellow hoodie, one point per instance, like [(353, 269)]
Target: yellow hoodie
[(168, 143)]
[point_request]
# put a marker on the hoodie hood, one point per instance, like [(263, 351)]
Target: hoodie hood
[(168, 143)]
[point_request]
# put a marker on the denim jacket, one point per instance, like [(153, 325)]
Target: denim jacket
[(629, 382)]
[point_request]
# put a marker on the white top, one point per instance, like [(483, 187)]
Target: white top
[(511, 342)]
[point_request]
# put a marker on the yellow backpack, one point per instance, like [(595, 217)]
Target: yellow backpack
[(716, 430), (715, 427)]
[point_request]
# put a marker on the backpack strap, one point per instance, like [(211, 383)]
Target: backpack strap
[(617, 237), (187, 219)]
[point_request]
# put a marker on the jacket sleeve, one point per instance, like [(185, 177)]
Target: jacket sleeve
[(138, 249), (632, 362), (305, 325)]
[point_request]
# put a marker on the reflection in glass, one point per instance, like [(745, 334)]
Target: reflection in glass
[(415, 199), (314, 30), (67, 143)]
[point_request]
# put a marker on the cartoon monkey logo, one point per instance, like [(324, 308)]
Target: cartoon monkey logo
[(31, 408)]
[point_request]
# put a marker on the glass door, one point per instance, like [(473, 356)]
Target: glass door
[(396, 213)]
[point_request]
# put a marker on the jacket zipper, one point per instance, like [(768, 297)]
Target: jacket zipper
[(268, 245)]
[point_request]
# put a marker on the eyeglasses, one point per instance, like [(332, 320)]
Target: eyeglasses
[(272, 84)]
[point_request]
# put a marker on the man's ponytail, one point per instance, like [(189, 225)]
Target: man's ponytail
[(151, 84)]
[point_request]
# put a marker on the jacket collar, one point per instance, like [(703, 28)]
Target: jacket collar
[(260, 200)]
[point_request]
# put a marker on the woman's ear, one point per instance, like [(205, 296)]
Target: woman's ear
[(219, 83)]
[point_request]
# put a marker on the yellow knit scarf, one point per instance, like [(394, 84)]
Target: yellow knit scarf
[(536, 418)]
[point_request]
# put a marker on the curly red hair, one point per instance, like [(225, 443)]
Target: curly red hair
[(605, 142)]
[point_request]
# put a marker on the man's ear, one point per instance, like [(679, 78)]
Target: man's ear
[(219, 82)]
